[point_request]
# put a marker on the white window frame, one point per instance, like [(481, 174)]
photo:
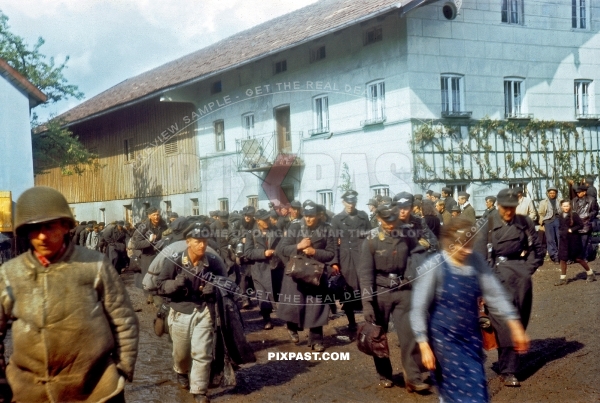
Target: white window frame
[(381, 190), (252, 201), (376, 101), (248, 124), (195, 207), (514, 95), (512, 12), (219, 136), (580, 14), (321, 114), (583, 95), (453, 93), (325, 197), (224, 204)]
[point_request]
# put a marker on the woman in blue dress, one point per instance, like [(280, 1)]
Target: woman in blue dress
[(445, 315)]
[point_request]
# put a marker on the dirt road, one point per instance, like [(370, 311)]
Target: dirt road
[(562, 365)]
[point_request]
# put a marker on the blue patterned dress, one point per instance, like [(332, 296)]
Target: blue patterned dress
[(455, 339)]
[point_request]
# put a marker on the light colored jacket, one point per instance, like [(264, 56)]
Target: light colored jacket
[(546, 211), (75, 333), (527, 208)]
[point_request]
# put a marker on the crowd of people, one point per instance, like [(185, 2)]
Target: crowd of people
[(298, 261)]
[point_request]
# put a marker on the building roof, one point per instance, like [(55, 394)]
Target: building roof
[(36, 96), (289, 30)]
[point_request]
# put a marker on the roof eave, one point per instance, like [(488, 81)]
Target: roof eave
[(410, 5), (35, 96)]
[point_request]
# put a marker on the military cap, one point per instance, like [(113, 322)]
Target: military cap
[(551, 187), (306, 202), (83, 223), (93, 222), (120, 222), (213, 213), (101, 223), (223, 214), (581, 188), (151, 210), (490, 198), (386, 200), (446, 189), (590, 179), (321, 208), (350, 196), (429, 192), (418, 196), (508, 198), (436, 194), (273, 214), (90, 226), (372, 202), (455, 208), (387, 213), (419, 203), (173, 215), (198, 231), (296, 204), (262, 214), (464, 194), (310, 208), (403, 199), (249, 210)]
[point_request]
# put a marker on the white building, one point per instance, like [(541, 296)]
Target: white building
[(17, 97), (286, 109)]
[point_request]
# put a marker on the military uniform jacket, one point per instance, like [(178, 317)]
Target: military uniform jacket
[(487, 212), (469, 214), (449, 202), (196, 290), (351, 231), (381, 254)]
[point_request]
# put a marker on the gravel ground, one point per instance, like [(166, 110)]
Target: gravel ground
[(561, 366)]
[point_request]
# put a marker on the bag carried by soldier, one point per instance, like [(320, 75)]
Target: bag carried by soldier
[(372, 340), (160, 322), (305, 269)]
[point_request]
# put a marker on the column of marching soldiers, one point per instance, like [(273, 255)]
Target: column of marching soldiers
[(200, 271)]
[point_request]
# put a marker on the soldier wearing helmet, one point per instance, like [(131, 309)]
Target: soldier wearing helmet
[(75, 336)]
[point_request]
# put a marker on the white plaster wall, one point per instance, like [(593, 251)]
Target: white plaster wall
[(16, 161)]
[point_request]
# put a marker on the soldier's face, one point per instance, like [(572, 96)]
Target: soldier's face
[(387, 226), (372, 208), (462, 200), (507, 213), (489, 204), (262, 224), (552, 194), (48, 238), (196, 247), (154, 218), (311, 221), (348, 207), (404, 213), (294, 212), (440, 208)]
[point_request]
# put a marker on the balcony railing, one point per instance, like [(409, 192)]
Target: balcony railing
[(260, 152), (457, 114)]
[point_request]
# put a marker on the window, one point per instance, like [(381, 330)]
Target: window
[(248, 125), (215, 87), (219, 135), (512, 11), (168, 208), (195, 207), (253, 201), (582, 97), (128, 213), (171, 146), (375, 103), (579, 14), (373, 35), (512, 97), (102, 214), (456, 189), (224, 204), (325, 197), (128, 149), (381, 190), (317, 54), (280, 67), (452, 93), (321, 115)]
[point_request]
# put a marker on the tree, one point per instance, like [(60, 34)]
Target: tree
[(345, 178), (53, 145)]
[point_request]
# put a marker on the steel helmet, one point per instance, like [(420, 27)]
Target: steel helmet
[(41, 204)]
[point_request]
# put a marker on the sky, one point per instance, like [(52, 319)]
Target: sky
[(109, 41)]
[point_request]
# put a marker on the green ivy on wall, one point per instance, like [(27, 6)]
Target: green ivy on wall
[(499, 150)]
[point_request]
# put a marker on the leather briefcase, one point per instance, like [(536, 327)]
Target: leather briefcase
[(305, 269)]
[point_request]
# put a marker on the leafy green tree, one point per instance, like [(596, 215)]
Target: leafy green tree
[(53, 144), (346, 179)]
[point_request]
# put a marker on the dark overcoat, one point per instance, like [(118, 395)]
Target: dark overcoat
[(266, 271), (350, 230), (305, 305), (569, 243)]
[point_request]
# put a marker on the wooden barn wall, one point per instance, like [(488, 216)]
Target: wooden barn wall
[(152, 173)]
